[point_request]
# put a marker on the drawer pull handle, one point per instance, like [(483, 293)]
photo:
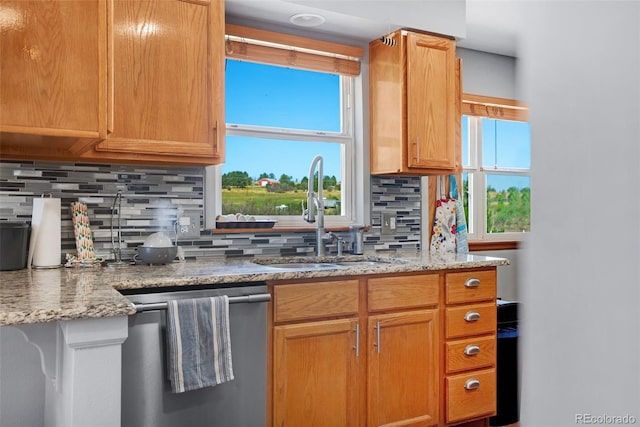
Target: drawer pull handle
[(472, 384), (472, 350), (472, 282), (472, 316)]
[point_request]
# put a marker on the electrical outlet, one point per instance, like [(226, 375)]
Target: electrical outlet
[(189, 225), (388, 224)]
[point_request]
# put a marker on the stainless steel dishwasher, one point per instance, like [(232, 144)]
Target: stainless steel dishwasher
[(147, 400)]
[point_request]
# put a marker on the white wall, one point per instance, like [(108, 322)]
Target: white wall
[(508, 280), (488, 74), (581, 276)]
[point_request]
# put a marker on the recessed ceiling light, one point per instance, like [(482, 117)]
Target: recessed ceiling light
[(307, 19)]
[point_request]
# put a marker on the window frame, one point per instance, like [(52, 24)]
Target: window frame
[(476, 108), (352, 173)]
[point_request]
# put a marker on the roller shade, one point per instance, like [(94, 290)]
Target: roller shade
[(494, 108), (250, 44)]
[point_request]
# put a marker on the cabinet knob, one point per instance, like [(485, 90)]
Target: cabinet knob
[(472, 350), (472, 384), (472, 316), (472, 282)]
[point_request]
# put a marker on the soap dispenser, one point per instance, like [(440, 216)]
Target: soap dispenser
[(357, 238)]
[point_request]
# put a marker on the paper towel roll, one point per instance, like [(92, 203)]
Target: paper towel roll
[(44, 247)]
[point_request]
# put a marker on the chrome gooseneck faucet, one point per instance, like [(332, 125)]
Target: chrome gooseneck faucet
[(316, 202)]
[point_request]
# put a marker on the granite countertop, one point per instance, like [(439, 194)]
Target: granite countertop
[(36, 296)]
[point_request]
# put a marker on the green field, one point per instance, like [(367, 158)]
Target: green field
[(257, 201)]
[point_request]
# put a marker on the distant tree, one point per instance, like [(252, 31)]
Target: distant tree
[(329, 181), (304, 183), (286, 180), (267, 175), (236, 179)]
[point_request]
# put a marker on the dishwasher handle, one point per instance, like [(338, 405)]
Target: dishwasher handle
[(140, 307)]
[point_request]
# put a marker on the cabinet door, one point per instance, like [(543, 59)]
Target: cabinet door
[(431, 102), (316, 374), (53, 67), (403, 371), (166, 78)]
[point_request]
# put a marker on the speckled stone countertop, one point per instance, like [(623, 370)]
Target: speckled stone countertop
[(35, 296)]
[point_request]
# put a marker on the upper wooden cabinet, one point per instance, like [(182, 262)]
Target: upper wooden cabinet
[(114, 80), (414, 92), (53, 75)]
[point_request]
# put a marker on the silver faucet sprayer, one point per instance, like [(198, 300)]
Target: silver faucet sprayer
[(316, 202)]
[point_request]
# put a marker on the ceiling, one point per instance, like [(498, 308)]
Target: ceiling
[(485, 25)]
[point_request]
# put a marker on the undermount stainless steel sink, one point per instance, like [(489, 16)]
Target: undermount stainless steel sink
[(325, 265), (361, 263), (305, 265)]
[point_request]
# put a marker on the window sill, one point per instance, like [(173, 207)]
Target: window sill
[(493, 246)]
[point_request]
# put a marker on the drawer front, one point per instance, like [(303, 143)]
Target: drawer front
[(471, 353), (386, 293), (315, 300), (472, 319), (470, 286), (471, 395)]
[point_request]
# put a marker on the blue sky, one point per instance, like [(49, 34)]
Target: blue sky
[(259, 94), (266, 95)]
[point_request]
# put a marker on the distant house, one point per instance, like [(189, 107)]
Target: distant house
[(263, 182)]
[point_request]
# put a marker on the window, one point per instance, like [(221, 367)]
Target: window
[(496, 158), (278, 118)]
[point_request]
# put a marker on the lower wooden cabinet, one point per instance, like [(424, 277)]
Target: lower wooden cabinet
[(402, 381), (383, 351), (316, 374)]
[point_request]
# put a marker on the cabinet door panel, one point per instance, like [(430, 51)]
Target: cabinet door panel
[(53, 67), (316, 374), (403, 369), (165, 68), (431, 101)]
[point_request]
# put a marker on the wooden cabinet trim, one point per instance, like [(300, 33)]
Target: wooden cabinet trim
[(402, 292), (303, 301)]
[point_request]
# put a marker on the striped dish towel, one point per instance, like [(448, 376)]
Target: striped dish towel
[(198, 343)]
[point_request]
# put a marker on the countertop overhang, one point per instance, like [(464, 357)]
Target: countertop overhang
[(37, 296)]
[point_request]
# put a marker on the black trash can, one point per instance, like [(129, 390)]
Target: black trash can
[(508, 396)]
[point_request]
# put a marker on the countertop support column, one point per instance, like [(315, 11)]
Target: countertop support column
[(90, 378)]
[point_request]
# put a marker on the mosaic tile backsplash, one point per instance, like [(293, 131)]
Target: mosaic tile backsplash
[(153, 196)]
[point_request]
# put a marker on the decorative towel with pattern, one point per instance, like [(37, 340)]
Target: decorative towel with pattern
[(443, 238), (82, 233), (198, 343), (462, 244)]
